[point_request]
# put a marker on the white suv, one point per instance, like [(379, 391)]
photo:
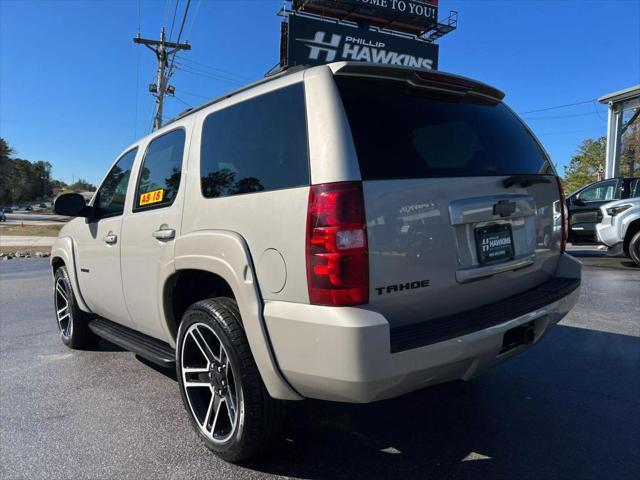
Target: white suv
[(620, 227), (348, 232)]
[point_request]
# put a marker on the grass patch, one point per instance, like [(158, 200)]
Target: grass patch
[(31, 230), (31, 250)]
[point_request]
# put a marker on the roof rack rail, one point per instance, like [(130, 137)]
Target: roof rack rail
[(283, 72), (284, 68)]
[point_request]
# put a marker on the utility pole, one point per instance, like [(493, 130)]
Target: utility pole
[(163, 50)]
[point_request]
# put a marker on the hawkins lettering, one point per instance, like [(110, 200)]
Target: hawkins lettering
[(348, 47)]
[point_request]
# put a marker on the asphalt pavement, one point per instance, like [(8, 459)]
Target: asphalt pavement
[(567, 408)]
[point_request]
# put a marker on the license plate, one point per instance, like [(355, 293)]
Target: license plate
[(494, 243)]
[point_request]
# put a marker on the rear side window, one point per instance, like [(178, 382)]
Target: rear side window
[(159, 177), (257, 145), (409, 133), (113, 191)]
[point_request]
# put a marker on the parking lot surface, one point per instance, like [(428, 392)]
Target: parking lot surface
[(567, 408)]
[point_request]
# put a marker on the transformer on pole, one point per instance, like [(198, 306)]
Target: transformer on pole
[(163, 50)]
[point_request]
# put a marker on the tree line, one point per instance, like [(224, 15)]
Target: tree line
[(25, 181), (588, 163)]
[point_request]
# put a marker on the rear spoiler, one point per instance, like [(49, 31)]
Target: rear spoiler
[(421, 78)]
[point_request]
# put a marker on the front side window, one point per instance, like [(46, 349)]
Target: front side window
[(113, 191), (160, 173), (257, 145), (599, 192)]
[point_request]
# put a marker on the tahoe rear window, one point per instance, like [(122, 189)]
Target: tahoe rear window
[(401, 132)]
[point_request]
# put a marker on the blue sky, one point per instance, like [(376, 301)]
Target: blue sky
[(73, 86)]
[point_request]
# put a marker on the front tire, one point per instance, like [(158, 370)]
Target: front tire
[(634, 248), (73, 323), (221, 388)]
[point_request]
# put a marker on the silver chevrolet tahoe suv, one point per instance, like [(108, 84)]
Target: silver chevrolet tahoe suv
[(349, 232)]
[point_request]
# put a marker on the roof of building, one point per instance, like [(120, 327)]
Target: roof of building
[(621, 95)]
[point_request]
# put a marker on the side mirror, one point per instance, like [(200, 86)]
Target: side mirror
[(577, 201), (71, 205)]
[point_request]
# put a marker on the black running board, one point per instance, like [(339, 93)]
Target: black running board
[(148, 347)]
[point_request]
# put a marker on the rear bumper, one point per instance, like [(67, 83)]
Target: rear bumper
[(344, 354)]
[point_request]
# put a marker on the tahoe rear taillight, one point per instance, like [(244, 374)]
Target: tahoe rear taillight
[(565, 216), (337, 256)]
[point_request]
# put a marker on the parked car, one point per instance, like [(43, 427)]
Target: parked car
[(346, 232), (584, 205), (3, 217), (620, 228), (549, 224), (43, 205), (7, 209)]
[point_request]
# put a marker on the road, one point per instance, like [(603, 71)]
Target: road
[(568, 408)]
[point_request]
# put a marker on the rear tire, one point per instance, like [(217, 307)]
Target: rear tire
[(634, 248), (216, 371), (73, 323)]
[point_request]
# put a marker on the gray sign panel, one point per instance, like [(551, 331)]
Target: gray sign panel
[(314, 42)]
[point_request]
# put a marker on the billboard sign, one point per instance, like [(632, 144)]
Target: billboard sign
[(315, 42), (404, 15)]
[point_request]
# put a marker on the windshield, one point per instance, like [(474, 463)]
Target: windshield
[(409, 133)]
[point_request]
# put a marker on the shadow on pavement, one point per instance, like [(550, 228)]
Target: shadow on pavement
[(167, 372), (103, 345), (595, 258), (568, 408)]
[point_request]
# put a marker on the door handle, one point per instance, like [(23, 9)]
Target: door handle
[(164, 233), (110, 238)]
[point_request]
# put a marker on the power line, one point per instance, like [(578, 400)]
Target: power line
[(216, 75), (595, 108), (568, 132), (193, 18), (209, 67), (204, 97), (554, 117), (175, 11), (558, 106), (167, 9), (135, 124), (192, 72), (182, 101), (184, 18)]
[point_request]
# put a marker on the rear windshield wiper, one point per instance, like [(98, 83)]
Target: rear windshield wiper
[(524, 180)]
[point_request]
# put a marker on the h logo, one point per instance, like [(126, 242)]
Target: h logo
[(318, 44)]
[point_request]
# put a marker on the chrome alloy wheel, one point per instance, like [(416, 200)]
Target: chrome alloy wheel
[(209, 383), (63, 312)]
